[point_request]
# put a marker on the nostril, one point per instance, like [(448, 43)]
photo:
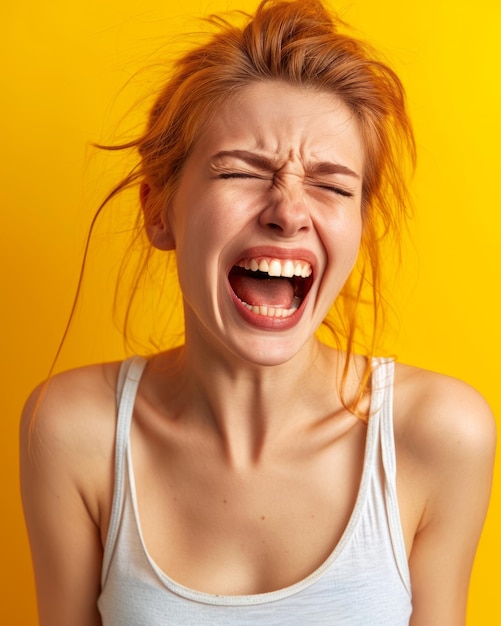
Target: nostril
[(275, 226)]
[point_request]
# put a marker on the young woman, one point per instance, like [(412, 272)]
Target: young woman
[(255, 474)]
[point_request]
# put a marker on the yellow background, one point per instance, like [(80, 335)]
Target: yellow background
[(64, 64)]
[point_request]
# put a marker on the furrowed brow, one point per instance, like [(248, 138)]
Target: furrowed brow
[(268, 164)]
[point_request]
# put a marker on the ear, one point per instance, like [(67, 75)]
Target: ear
[(157, 226)]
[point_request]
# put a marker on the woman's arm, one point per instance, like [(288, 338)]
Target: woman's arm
[(66, 459), (452, 438)]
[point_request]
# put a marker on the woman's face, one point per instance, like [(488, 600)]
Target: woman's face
[(267, 220)]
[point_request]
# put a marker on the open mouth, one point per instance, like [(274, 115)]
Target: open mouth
[(271, 287)]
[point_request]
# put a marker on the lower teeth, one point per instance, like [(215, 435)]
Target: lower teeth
[(270, 311)]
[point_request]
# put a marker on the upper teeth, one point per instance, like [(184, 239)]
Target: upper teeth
[(277, 267)]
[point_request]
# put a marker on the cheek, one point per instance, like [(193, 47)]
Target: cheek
[(345, 235), (207, 213), (200, 236), (349, 259)]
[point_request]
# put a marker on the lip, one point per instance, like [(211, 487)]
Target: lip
[(261, 321), (272, 252)]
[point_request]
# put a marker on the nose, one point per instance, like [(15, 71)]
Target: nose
[(286, 212)]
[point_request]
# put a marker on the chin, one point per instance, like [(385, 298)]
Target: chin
[(270, 351)]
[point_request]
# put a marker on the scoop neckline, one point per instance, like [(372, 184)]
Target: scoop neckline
[(270, 596)]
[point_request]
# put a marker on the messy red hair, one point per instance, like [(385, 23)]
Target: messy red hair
[(301, 43)]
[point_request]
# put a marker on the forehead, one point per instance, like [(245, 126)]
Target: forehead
[(285, 122)]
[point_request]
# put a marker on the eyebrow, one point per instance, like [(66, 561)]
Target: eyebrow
[(252, 158), (259, 160)]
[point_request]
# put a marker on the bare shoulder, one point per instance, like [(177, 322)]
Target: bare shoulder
[(68, 425), (438, 416), (71, 403), (445, 438), (67, 452)]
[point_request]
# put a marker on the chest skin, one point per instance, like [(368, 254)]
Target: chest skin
[(235, 531), (221, 528)]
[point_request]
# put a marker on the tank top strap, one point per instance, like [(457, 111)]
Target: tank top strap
[(129, 376), (383, 384)]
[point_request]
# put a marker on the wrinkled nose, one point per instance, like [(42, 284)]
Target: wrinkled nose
[(286, 212)]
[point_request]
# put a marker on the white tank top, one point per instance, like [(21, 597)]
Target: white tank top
[(364, 582)]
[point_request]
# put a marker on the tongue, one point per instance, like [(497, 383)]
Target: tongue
[(276, 292)]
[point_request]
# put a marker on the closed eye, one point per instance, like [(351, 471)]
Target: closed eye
[(226, 175), (338, 190)]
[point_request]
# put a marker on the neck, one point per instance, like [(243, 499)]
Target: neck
[(249, 406)]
